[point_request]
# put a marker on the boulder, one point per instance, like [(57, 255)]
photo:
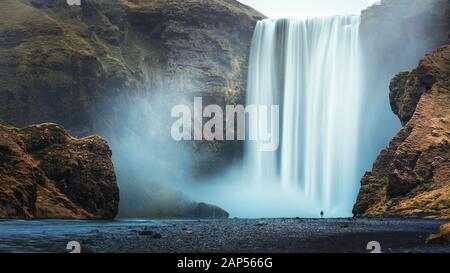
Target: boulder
[(206, 211), (46, 173)]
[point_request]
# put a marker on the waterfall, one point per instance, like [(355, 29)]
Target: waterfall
[(310, 68)]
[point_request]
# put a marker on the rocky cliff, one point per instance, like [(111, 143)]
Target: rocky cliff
[(411, 177), (394, 35), (67, 64), (46, 173)]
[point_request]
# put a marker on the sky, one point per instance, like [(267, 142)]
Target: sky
[(307, 8)]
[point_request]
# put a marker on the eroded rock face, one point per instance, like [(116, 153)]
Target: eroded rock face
[(46, 173), (394, 36), (411, 177)]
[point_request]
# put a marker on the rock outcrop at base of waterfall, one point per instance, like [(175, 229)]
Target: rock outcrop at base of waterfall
[(206, 211), (411, 177), (46, 173)]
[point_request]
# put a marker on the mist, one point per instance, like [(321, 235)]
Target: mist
[(151, 167)]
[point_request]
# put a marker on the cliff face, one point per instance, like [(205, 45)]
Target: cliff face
[(90, 68), (66, 64), (411, 177), (46, 173)]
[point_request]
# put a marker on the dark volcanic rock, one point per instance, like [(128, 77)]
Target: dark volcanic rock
[(411, 177), (206, 211), (46, 173)]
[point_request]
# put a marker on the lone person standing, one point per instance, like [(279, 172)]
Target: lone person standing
[(321, 214)]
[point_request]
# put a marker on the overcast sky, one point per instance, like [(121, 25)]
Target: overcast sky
[(307, 8)]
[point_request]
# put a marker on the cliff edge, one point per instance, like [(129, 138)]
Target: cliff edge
[(411, 177)]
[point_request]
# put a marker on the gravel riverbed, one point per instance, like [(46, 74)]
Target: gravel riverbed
[(221, 236)]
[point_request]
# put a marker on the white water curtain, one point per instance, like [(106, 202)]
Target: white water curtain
[(311, 68)]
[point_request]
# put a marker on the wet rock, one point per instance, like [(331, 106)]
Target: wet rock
[(206, 211), (157, 235)]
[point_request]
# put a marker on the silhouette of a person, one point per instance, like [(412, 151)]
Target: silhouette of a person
[(321, 214)]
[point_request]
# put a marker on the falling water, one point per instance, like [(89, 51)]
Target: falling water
[(311, 69)]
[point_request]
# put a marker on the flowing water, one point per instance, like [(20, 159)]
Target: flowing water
[(311, 68)]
